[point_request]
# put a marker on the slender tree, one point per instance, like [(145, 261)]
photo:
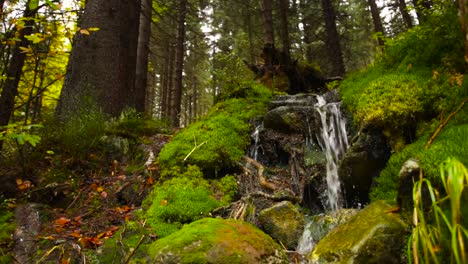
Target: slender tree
[(378, 28), (284, 27), (269, 36), (179, 64), (141, 78), (404, 13), (332, 39), (15, 68)]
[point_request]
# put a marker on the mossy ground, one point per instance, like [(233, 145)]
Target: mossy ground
[(413, 86)]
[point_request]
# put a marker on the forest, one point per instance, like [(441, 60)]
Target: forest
[(240, 131)]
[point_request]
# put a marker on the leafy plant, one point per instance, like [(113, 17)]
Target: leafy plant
[(444, 223), (20, 133)]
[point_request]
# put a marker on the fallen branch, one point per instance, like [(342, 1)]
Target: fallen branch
[(194, 148), (134, 250), (263, 182), (436, 133)]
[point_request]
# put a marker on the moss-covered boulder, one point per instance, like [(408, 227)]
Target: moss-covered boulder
[(283, 222), (215, 240), (374, 235)]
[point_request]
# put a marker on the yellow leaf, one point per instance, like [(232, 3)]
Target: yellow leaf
[(84, 31), (93, 29), (25, 50)]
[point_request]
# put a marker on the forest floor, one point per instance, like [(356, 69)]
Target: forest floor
[(80, 213)]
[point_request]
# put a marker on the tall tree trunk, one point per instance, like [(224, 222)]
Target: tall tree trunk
[(141, 78), (463, 13), (306, 22), (101, 69), (378, 28), (179, 67), (333, 39), (15, 68), (284, 27), (421, 7), (404, 13), (269, 36)]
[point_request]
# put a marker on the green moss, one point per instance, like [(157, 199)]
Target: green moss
[(371, 236), (6, 229), (451, 142), (221, 136), (180, 200), (213, 240)]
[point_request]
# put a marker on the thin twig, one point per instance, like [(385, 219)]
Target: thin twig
[(194, 148), (436, 133), (135, 249)]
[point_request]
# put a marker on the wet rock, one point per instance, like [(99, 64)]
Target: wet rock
[(291, 119), (373, 235), (363, 162), (283, 222), (409, 174), (319, 226), (28, 225), (214, 240)]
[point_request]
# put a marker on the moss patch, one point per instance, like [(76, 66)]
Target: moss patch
[(213, 240), (224, 133)]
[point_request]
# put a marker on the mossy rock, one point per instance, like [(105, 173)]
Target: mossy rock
[(214, 240), (283, 222), (374, 235)]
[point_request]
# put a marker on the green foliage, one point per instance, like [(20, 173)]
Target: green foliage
[(451, 142), (20, 133), (438, 42), (79, 133), (441, 234), (180, 200), (6, 229), (225, 189), (219, 139), (132, 124)]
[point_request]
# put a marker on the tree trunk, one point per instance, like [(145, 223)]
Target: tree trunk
[(101, 69), (284, 27), (268, 23), (422, 6), (15, 68), (463, 12), (333, 39), (404, 13), (179, 67), (141, 78), (378, 28), (307, 31)]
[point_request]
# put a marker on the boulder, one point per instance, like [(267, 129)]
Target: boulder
[(363, 161), (283, 222), (409, 174), (374, 235), (215, 240)]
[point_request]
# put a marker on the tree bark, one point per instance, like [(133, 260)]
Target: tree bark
[(284, 27), (333, 39), (15, 68), (404, 13), (269, 36), (101, 69), (141, 78), (179, 67), (378, 28), (462, 12), (422, 6)]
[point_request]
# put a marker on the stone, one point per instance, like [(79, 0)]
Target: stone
[(361, 164), (374, 235), (409, 174), (283, 222), (215, 240)]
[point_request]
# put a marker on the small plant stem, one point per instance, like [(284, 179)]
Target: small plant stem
[(436, 133)]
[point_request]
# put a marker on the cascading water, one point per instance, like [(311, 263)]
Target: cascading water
[(334, 142), (256, 137)]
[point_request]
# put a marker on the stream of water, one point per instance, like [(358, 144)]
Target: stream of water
[(334, 142)]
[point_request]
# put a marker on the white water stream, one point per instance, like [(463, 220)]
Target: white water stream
[(334, 142)]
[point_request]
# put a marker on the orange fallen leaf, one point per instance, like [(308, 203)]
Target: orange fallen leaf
[(99, 189), (150, 181), (163, 202), (75, 234), (123, 209), (62, 221)]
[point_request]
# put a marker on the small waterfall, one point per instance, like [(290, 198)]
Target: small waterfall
[(334, 142), (256, 137)]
